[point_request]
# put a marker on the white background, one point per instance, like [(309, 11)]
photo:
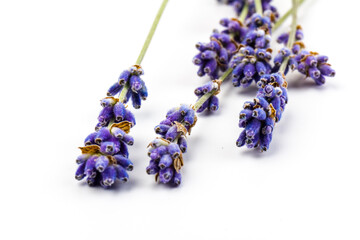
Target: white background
[(57, 59)]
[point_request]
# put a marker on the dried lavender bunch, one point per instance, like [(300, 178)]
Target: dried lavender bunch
[(105, 156)]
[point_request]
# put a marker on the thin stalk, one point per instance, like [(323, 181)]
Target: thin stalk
[(285, 16), (151, 32), (123, 92), (145, 47), (258, 6), (206, 96), (244, 12), (291, 35)]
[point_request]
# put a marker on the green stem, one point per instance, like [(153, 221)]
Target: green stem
[(258, 6), (151, 33), (206, 96), (145, 47), (244, 12), (112, 121), (123, 92), (292, 34), (285, 16)]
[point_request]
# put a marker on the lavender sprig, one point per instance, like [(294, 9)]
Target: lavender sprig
[(105, 156), (258, 118), (310, 64), (166, 151)]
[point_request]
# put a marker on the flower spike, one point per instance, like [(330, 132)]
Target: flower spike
[(105, 156), (258, 118)]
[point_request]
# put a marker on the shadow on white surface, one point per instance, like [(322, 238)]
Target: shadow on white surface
[(117, 188)]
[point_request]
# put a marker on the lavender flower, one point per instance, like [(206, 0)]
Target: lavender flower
[(310, 64), (113, 111), (249, 65), (313, 65), (259, 32), (214, 56), (258, 118), (166, 151), (138, 90), (252, 59), (105, 155)]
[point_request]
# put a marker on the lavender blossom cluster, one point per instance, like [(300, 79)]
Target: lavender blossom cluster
[(258, 117), (249, 54), (251, 62), (166, 151), (105, 156), (214, 57), (113, 112), (137, 91), (310, 64)]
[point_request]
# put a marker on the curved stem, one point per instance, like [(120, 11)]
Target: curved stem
[(285, 16), (291, 35), (258, 6), (151, 32)]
